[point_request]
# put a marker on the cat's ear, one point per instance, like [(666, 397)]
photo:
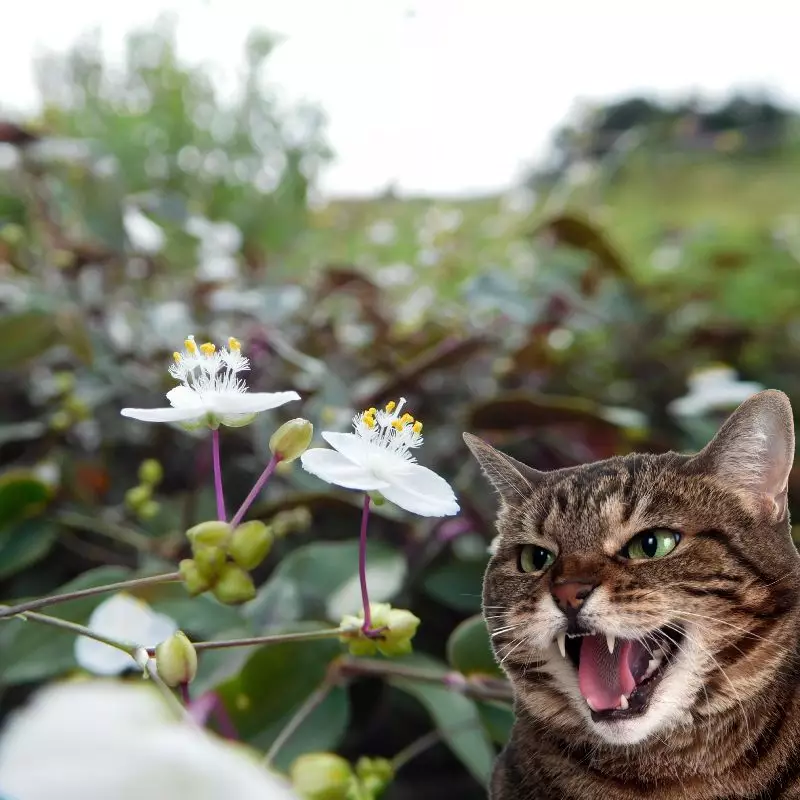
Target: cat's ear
[(753, 451), (512, 479)]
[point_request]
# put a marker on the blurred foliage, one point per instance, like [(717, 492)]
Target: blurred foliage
[(147, 206)]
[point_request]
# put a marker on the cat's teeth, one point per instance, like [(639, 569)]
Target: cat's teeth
[(610, 639), (589, 703), (562, 644), (623, 702)]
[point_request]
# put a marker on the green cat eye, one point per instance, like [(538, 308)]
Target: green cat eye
[(533, 558), (654, 543)]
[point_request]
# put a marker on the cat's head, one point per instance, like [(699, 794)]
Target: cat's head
[(644, 592)]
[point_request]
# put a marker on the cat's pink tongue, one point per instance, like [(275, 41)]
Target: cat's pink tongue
[(604, 677)]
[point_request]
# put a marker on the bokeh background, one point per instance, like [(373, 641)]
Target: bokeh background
[(573, 232)]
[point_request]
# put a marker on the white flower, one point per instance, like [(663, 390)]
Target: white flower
[(377, 458), (125, 618), (211, 393), (713, 389), (111, 740)]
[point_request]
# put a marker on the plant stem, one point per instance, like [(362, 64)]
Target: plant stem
[(55, 599), (277, 638), (362, 566), (221, 515), (259, 485), (302, 713), (416, 748), (152, 672), (111, 530)]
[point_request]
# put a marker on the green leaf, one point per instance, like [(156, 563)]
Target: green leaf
[(498, 719), (25, 336), (73, 330), (21, 431), (325, 576), (459, 722), (25, 543), (41, 652), (274, 682), (22, 495), (469, 651), (457, 584)]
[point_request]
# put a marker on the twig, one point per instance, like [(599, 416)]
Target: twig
[(111, 530), (42, 602), (416, 748), (221, 514), (259, 485), (277, 638)]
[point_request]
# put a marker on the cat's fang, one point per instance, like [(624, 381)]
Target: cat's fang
[(623, 702), (610, 640), (562, 644)]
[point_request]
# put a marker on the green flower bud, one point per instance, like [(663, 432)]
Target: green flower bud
[(12, 233), (176, 660), (397, 628), (250, 544), (136, 497), (234, 586), (375, 774), (148, 510), (64, 381), (292, 439), (209, 534), (151, 473), (192, 578), (78, 409), (210, 561), (60, 421), (322, 776)]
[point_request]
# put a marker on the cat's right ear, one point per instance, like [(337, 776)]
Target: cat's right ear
[(512, 479)]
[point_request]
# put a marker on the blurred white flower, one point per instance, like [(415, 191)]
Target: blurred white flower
[(377, 458), (382, 232), (125, 618), (211, 393), (144, 234), (713, 389), (111, 740), (399, 274)]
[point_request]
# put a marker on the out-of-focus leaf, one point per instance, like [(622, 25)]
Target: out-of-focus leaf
[(24, 543), (326, 576), (459, 723), (198, 616), (22, 495), (72, 326), (498, 719), (468, 649), (25, 336), (457, 584), (41, 652), (275, 680), (21, 431)]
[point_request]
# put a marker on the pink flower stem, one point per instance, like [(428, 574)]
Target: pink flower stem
[(366, 628), (185, 696), (221, 515), (259, 485), (208, 705)]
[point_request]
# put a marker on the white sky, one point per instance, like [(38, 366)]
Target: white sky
[(444, 96)]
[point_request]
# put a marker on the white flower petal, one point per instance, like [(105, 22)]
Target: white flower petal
[(105, 739), (421, 491), (352, 447), (184, 397), (233, 403), (99, 658), (162, 414), (335, 468)]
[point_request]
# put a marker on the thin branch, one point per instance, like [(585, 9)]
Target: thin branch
[(111, 530), (42, 602), (276, 638), (415, 749)]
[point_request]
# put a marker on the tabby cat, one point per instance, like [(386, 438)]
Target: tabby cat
[(645, 609)]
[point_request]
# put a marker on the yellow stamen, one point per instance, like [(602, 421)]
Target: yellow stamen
[(406, 418), (390, 406), (234, 345), (208, 349), (417, 427), (369, 420), (397, 425), (372, 411), (176, 357), (191, 346)]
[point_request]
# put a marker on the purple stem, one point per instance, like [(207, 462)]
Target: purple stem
[(362, 566), (259, 485), (209, 704), (185, 696), (221, 515)]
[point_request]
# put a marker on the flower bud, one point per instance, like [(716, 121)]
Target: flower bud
[(151, 473), (394, 628), (209, 534), (250, 544), (60, 421), (209, 561), (148, 510), (292, 439), (136, 497), (234, 586), (375, 774), (176, 660), (401, 625), (192, 578), (322, 776)]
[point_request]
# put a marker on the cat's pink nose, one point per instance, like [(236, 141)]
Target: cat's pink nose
[(570, 595)]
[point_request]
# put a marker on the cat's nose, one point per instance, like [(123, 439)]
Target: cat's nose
[(571, 595)]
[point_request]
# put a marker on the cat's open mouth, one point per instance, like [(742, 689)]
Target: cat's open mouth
[(617, 677)]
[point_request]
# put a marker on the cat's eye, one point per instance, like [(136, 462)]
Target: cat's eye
[(651, 544), (533, 558)]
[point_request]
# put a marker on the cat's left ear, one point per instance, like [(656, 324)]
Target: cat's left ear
[(753, 451)]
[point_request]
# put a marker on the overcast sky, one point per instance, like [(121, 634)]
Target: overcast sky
[(444, 96)]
